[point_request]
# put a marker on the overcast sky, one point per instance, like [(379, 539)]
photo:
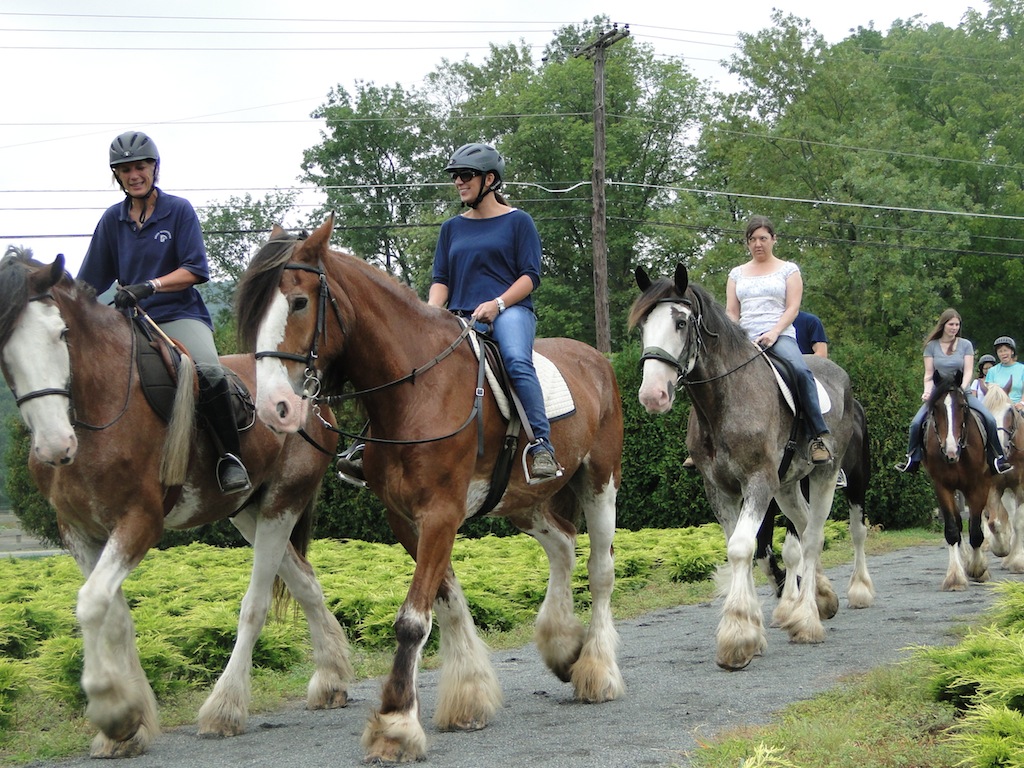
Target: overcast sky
[(225, 87)]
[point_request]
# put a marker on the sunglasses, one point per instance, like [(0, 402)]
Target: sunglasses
[(465, 176)]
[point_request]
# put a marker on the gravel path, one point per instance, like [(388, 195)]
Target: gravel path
[(675, 692)]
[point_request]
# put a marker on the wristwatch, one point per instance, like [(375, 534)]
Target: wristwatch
[(501, 304)]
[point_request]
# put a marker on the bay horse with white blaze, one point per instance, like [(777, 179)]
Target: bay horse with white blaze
[(739, 428), (118, 475), (319, 318), (954, 455)]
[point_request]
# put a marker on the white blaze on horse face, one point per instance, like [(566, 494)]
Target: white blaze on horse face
[(658, 386), (277, 404), (36, 358), (950, 446)]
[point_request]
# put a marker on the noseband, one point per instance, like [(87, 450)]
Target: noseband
[(37, 393), (312, 376), (687, 358)]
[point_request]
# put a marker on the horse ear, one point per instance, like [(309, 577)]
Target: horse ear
[(1008, 386), (682, 279), (642, 280), (276, 232), (57, 269), (319, 242)]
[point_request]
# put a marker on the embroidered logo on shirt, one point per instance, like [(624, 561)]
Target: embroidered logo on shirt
[(163, 236)]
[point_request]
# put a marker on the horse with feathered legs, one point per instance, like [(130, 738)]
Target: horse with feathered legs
[(738, 440), (856, 464), (319, 318), (1004, 510), (954, 456), (118, 475)]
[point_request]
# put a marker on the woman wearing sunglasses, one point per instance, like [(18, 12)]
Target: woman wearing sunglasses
[(486, 266)]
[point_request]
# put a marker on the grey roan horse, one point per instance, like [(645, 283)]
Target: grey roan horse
[(737, 438)]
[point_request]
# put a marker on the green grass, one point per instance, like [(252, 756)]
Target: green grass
[(185, 618)]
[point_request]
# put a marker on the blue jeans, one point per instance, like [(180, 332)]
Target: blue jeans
[(787, 348), (514, 330)]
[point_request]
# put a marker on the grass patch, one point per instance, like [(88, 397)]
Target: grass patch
[(883, 719)]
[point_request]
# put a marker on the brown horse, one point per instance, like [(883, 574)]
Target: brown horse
[(110, 473), (319, 318), (954, 455)]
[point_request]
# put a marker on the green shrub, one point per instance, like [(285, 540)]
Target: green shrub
[(12, 686)]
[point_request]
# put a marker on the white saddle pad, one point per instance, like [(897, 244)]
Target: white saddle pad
[(823, 399), (558, 401)]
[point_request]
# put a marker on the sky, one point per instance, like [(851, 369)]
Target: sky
[(225, 88)]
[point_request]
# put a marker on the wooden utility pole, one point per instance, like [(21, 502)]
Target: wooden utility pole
[(596, 51)]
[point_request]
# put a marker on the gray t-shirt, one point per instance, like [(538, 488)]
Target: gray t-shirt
[(945, 364)]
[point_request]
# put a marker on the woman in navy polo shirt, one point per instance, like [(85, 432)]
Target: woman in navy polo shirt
[(152, 246)]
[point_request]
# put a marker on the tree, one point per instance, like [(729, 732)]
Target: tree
[(371, 164)]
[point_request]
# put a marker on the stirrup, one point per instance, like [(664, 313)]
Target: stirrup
[(1006, 466), (530, 479), (841, 481), (350, 465), (227, 461), (909, 465)]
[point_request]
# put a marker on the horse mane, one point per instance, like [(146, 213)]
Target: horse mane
[(714, 320), (14, 270), (996, 400), (258, 284)]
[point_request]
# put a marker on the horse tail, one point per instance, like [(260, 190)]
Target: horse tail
[(181, 429), (302, 534)]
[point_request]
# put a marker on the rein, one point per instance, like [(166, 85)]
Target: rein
[(312, 376), (685, 361)]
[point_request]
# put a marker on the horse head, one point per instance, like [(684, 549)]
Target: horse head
[(949, 411), (670, 335), (34, 353), (282, 304)]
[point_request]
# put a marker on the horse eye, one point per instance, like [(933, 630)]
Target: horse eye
[(64, 333), (299, 303)]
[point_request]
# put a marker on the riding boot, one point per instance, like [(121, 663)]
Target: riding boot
[(215, 408), (913, 460), (994, 446)]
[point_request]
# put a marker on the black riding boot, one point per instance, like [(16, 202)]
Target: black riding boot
[(215, 408)]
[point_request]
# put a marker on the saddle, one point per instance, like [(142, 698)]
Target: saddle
[(558, 404), (157, 362), (786, 378)]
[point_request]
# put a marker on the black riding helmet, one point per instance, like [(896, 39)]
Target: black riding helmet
[(479, 157)]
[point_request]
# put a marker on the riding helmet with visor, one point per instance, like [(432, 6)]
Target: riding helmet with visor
[(482, 158), (986, 359), (1005, 341), (131, 146)]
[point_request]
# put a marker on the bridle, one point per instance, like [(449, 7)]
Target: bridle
[(693, 343), (312, 376), (965, 411), (66, 390), (46, 392)]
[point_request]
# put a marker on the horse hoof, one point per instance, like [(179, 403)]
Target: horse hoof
[(104, 747)]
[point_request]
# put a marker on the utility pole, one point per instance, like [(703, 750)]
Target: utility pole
[(596, 51)]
